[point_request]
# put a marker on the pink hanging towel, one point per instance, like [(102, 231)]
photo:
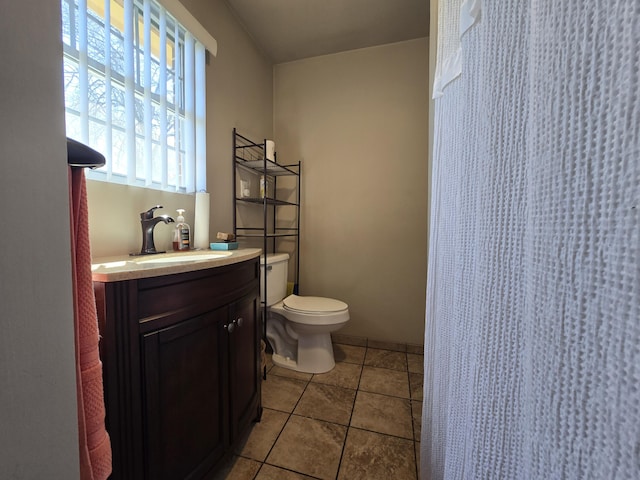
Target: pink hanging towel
[(95, 446)]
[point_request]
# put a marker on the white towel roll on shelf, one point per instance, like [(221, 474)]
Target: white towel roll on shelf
[(201, 221), (271, 150)]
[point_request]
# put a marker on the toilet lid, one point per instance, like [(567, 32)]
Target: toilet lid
[(313, 304)]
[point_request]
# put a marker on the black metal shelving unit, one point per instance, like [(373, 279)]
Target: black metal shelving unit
[(251, 157)]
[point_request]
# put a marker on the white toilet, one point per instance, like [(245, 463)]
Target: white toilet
[(299, 328)]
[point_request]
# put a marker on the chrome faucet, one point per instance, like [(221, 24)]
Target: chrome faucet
[(148, 222)]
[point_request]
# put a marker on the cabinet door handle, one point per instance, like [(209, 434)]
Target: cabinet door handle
[(239, 321), (230, 327)]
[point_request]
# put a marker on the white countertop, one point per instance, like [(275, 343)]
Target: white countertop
[(127, 267)]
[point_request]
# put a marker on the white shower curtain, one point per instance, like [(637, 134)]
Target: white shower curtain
[(532, 339)]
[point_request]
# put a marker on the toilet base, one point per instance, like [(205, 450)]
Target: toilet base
[(284, 362), (315, 355)]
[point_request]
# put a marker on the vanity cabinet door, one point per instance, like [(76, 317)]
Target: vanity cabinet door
[(244, 360), (185, 425)]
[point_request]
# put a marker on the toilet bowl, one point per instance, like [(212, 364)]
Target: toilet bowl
[(299, 327)]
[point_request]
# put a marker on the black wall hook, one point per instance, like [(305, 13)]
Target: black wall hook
[(80, 155)]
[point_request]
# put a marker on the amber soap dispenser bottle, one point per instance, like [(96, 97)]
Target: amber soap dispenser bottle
[(182, 233)]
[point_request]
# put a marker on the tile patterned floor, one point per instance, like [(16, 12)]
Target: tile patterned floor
[(359, 421)]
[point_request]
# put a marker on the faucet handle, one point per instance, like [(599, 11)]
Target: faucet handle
[(148, 215)]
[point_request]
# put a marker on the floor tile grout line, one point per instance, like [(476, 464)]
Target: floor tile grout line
[(382, 434), (385, 395), (286, 469), (262, 462), (277, 436), (413, 427), (289, 414), (348, 427), (409, 399), (311, 418), (353, 406), (386, 368)]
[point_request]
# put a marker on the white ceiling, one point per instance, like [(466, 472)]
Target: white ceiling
[(287, 30)]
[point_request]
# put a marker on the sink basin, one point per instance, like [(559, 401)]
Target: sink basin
[(180, 258)]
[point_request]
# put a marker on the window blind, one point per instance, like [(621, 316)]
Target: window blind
[(135, 91)]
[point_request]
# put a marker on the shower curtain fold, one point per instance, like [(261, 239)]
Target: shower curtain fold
[(94, 443), (532, 334)]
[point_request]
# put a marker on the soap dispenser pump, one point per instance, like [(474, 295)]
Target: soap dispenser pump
[(182, 233)]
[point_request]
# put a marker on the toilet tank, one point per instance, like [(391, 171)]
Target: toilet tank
[(277, 271)]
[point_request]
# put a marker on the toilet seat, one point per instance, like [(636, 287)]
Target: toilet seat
[(313, 305), (312, 311)]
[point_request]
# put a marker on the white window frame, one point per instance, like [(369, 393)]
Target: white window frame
[(153, 131)]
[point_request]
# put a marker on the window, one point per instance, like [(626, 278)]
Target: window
[(134, 83)]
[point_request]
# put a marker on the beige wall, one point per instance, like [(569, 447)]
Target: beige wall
[(239, 94), (358, 121), (38, 417)]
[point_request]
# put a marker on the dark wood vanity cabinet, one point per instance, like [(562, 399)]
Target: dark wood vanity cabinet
[(181, 359), (184, 397)]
